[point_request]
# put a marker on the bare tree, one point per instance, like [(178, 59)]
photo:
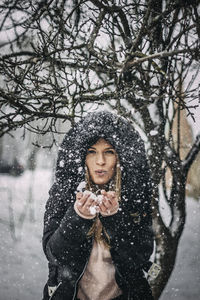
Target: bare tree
[(139, 57)]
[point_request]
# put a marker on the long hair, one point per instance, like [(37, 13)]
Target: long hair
[(97, 230)]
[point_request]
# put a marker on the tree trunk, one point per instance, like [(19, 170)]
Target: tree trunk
[(167, 260), (167, 237)]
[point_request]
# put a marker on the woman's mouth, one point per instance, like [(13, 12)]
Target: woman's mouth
[(100, 172)]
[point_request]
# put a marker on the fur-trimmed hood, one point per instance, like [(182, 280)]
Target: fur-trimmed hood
[(127, 143)]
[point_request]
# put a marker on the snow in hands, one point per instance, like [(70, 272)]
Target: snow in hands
[(93, 209)]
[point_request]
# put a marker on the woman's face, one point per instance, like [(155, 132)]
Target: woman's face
[(101, 160)]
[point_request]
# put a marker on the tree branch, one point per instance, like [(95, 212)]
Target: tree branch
[(192, 154), (162, 54)]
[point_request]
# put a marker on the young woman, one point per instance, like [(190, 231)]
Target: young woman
[(97, 224)]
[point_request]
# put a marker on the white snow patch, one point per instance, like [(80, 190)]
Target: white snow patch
[(93, 210), (81, 186), (80, 170), (153, 132), (62, 163)]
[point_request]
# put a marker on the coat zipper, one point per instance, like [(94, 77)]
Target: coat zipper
[(55, 290), (75, 283), (75, 288)]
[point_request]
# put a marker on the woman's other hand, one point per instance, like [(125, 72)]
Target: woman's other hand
[(109, 204)]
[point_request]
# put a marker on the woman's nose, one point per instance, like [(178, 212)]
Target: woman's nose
[(100, 160)]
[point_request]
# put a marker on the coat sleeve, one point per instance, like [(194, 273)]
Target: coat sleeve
[(64, 231)]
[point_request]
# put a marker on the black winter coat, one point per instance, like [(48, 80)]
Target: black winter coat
[(65, 239)]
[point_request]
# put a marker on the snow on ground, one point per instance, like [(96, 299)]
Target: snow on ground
[(23, 266)]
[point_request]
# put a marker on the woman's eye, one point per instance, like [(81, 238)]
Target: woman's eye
[(91, 151), (110, 152)]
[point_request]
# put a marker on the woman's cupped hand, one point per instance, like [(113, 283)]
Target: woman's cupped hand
[(88, 204)]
